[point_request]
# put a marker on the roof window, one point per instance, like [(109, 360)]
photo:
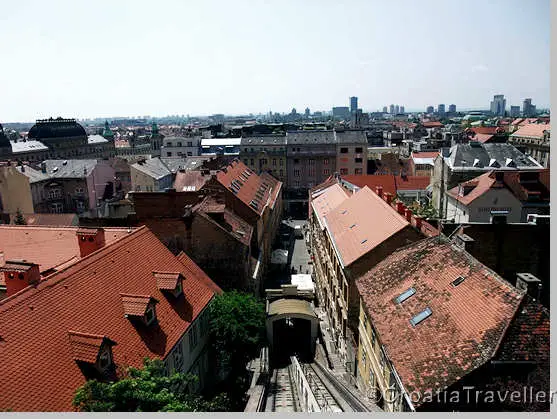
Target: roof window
[(364, 241), (418, 318), (405, 295), (459, 280), (139, 307)]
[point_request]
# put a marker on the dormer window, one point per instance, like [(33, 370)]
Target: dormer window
[(170, 282), (93, 353), (140, 308)]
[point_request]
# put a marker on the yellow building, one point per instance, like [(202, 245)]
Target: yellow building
[(15, 191)]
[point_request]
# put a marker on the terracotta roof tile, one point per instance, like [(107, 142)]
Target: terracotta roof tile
[(167, 280), (467, 321), (354, 232), (532, 131), (46, 246), (412, 183), (483, 138), (85, 297), (48, 219), (325, 200), (189, 181), (254, 191), (425, 154), (372, 181), (135, 305), (85, 346)]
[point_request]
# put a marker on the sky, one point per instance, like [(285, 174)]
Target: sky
[(88, 59)]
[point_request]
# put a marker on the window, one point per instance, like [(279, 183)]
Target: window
[(297, 184), (281, 173), (178, 289), (193, 336), (80, 206), (105, 359), (363, 358), (382, 362), (246, 162), (280, 162), (251, 161), (150, 314), (344, 150), (326, 162), (54, 193), (343, 171), (190, 144), (78, 190), (358, 160), (311, 162), (297, 173), (189, 153), (274, 162), (373, 336), (169, 144), (296, 161), (326, 172), (311, 171), (459, 280), (358, 171), (168, 154), (405, 295), (56, 208), (359, 149), (178, 357), (418, 318)]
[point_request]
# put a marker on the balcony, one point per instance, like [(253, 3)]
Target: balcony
[(312, 153)]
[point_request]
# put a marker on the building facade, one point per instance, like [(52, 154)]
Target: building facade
[(534, 140), (265, 153), (351, 152), (150, 175), (15, 191), (181, 146)]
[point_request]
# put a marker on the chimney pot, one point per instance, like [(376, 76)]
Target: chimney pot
[(19, 275), (388, 197), (90, 240), (400, 208), (379, 190), (408, 213)]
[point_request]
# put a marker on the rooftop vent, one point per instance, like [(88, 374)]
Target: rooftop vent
[(418, 318), (405, 295)]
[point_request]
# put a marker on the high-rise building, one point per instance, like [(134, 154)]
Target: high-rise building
[(307, 112), (353, 104), (397, 109), (441, 109), (527, 108), (498, 105), (392, 109), (515, 111), (429, 109), (452, 108), (401, 109), (385, 109)]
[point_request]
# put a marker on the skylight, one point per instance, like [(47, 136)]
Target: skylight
[(353, 225), (344, 212), (364, 240), (457, 281), (418, 318), (405, 295)]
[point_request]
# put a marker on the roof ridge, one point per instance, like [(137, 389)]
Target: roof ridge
[(52, 280)]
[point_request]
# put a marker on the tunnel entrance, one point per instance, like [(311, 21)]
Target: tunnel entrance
[(291, 329)]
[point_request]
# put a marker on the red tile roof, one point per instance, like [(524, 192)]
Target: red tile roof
[(479, 186), (85, 346), (325, 200), (412, 183), (432, 124), (46, 246), (372, 181), (467, 321), (486, 130), (85, 297), (135, 305), (354, 232), (483, 138), (532, 131), (425, 154), (189, 181), (167, 280), (254, 191)]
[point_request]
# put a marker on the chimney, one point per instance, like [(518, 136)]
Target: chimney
[(418, 222), (464, 241), (408, 214), (90, 240), (19, 275), (400, 208), (529, 283), (379, 190), (43, 167), (388, 197)]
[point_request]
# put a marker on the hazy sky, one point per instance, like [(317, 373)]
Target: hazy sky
[(155, 57)]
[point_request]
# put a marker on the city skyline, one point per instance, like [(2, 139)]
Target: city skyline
[(132, 59)]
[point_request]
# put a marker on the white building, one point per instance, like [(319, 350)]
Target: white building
[(181, 146)]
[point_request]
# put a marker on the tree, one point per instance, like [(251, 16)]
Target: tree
[(19, 218), (237, 328), (147, 389)]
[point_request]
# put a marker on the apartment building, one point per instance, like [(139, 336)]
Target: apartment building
[(434, 323), (534, 140), (265, 153), (351, 148)]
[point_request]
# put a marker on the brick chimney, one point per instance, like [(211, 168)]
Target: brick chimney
[(400, 208), (418, 222), (408, 214), (388, 197), (379, 190), (19, 275), (90, 240)]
